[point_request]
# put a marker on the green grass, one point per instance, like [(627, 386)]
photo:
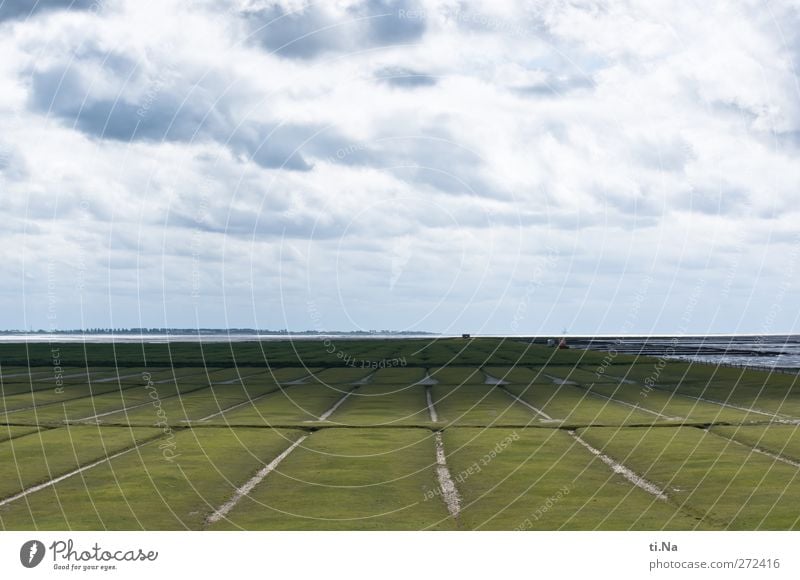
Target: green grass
[(399, 376), (673, 404), (43, 455), (49, 396), (468, 405), (575, 406), (87, 408), (290, 405), (215, 414), (341, 376), (381, 475), (578, 375), (277, 354), (383, 405), (519, 375), (458, 375), (143, 490), (540, 479), (783, 440), (8, 432), (725, 485)]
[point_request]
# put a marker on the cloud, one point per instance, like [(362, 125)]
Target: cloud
[(24, 9), (422, 155), (309, 31), (404, 78), (117, 101), (554, 86)]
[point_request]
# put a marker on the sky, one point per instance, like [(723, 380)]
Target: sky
[(514, 167)]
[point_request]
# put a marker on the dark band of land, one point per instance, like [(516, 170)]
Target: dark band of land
[(390, 434)]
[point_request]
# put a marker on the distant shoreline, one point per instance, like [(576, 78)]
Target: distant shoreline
[(99, 338), (780, 352)]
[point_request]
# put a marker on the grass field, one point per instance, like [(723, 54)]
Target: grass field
[(445, 434)]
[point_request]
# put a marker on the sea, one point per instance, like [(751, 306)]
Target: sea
[(776, 352)]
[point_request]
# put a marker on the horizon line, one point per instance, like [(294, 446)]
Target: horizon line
[(267, 332)]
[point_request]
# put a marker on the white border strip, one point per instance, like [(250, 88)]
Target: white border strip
[(231, 408), (721, 404), (631, 405), (225, 508), (431, 407), (449, 491), (617, 467), (115, 411), (118, 378), (560, 381), (239, 379), (60, 478), (755, 449), (527, 404), (329, 412)]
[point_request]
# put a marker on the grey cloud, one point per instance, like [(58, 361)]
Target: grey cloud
[(23, 9), (526, 24), (435, 159), (789, 139), (388, 23), (301, 34), (164, 113), (269, 222), (404, 78), (728, 200), (555, 86), (65, 93), (12, 165), (278, 146), (295, 146), (460, 180), (120, 261), (671, 154), (316, 30), (637, 210)]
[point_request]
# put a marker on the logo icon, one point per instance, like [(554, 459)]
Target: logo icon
[(31, 553)]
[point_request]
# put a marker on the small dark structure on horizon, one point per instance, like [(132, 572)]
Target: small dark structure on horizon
[(465, 335)]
